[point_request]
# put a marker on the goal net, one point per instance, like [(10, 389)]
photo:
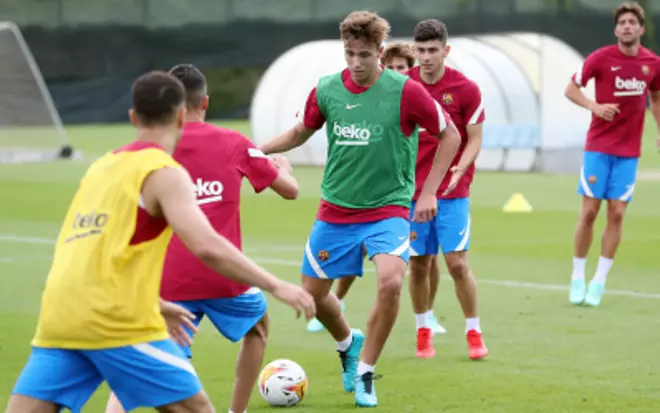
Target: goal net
[(30, 127)]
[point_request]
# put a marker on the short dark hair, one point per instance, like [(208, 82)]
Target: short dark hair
[(193, 81), (430, 29), (156, 98), (398, 49), (629, 7)]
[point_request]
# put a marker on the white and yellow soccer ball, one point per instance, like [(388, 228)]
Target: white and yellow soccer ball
[(282, 383)]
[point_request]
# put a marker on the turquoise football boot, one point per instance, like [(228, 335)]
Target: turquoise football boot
[(349, 360), (594, 294), (365, 391), (578, 292), (435, 326)]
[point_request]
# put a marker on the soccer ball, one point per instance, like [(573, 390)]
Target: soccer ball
[(282, 383)]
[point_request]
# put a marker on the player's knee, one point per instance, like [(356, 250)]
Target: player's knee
[(615, 212), (198, 403), (589, 212), (457, 265), (389, 285), (317, 288), (420, 266)]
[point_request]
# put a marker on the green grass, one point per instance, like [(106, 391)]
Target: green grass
[(545, 355)]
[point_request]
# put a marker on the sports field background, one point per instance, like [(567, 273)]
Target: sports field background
[(545, 355)]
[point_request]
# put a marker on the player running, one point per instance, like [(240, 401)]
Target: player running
[(371, 115), (450, 230), (400, 58), (100, 316), (218, 159), (624, 74)]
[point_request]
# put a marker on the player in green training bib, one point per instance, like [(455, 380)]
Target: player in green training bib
[(372, 117)]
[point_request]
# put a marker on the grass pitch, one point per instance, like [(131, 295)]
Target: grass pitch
[(545, 355)]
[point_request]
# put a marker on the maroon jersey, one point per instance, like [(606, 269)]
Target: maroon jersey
[(417, 108), (625, 80), (461, 98), (217, 159)]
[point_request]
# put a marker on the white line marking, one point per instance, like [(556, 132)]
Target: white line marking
[(293, 263), (27, 240)]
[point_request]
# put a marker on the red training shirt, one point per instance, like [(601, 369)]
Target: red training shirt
[(462, 99), (625, 80), (217, 159)]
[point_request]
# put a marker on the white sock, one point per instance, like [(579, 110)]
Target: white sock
[(578, 268), (365, 368), (346, 343), (472, 324), (604, 265), (422, 320)]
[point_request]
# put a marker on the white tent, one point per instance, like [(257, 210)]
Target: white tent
[(530, 125)]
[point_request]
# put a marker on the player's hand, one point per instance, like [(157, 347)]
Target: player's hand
[(297, 298), (426, 208), (281, 162), (456, 175), (178, 319), (606, 111)]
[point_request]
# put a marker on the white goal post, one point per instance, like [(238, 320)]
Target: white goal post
[(30, 126)]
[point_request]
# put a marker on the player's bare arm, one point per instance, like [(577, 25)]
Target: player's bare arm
[(290, 139), (285, 185), (168, 192), (470, 153), (655, 110), (605, 111)]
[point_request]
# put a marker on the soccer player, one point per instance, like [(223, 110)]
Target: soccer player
[(624, 74), (100, 316), (450, 230), (371, 115), (398, 57), (218, 159)]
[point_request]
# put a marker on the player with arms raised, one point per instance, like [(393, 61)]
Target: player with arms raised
[(450, 229), (400, 58), (372, 115), (218, 159), (624, 74), (101, 315)]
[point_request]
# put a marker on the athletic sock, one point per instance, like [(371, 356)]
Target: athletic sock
[(472, 324), (422, 320), (346, 343), (578, 268), (365, 368), (604, 265)]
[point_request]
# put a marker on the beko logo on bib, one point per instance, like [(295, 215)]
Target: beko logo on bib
[(208, 191), (360, 134), (629, 87)]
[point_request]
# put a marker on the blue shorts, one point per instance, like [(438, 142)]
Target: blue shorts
[(144, 375), (449, 230), (606, 176), (233, 317), (336, 250)]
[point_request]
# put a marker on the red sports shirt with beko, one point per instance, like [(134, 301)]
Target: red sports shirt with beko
[(625, 80), (461, 98), (217, 159)]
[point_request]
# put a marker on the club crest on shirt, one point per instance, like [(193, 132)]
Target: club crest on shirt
[(324, 255), (447, 99), (645, 69), (413, 235), (592, 179)]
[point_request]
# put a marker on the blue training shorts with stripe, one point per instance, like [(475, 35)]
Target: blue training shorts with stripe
[(143, 375)]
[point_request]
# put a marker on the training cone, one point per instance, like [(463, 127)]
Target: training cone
[(517, 203)]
